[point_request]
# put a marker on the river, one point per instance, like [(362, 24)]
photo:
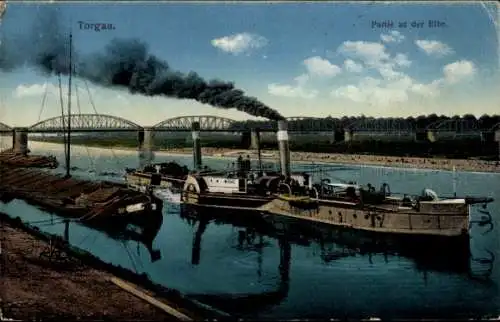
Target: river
[(321, 280)]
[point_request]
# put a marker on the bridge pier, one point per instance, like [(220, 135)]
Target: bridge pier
[(146, 145), (497, 139), (254, 139), (20, 141), (431, 136), (348, 135), (195, 132), (421, 136)]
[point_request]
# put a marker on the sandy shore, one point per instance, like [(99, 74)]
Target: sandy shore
[(33, 286), (358, 159)]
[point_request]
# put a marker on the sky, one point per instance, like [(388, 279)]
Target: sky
[(301, 59)]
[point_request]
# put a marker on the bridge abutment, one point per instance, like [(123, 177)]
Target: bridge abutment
[(145, 137), (20, 141)]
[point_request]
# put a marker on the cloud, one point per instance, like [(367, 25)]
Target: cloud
[(434, 47), (122, 99), (297, 90), (375, 56), (428, 90), (387, 91), (402, 60), (351, 66), (458, 71), (240, 43), (369, 52), (393, 36), (35, 90), (374, 91), (302, 79), (318, 66), (38, 91)]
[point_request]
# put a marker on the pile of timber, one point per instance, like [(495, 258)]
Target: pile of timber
[(13, 159), (68, 196)]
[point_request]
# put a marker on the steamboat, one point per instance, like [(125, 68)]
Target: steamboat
[(349, 205)]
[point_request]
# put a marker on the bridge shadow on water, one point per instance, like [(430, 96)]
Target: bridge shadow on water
[(336, 244)]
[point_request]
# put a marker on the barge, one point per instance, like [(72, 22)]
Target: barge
[(359, 207), (24, 160), (94, 202), (85, 201)]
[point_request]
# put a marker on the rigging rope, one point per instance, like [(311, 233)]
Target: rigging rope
[(117, 160), (61, 100), (44, 98), (92, 164), (129, 256)]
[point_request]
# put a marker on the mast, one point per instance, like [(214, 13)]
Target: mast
[(68, 153), (454, 182)]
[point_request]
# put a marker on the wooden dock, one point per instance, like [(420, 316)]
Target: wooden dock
[(74, 198)]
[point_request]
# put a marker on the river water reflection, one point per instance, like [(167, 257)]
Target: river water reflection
[(270, 271)]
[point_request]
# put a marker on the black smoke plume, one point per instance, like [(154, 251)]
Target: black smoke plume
[(128, 64)]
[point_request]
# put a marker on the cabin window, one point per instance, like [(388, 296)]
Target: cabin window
[(354, 216)]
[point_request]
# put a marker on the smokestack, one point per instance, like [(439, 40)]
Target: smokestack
[(284, 148), (195, 130), (257, 143)]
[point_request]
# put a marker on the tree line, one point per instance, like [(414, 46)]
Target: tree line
[(422, 122)]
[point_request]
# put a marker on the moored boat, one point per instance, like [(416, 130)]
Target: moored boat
[(165, 175), (339, 204)]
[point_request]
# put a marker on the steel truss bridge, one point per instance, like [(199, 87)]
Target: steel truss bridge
[(208, 123)]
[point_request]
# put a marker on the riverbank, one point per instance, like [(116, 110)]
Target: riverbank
[(64, 286), (471, 165)]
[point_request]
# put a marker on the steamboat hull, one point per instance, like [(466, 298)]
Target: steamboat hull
[(225, 201), (442, 218)]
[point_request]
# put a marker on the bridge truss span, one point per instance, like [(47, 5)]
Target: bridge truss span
[(455, 125), (86, 123), (207, 123), (385, 125), (4, 128)]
